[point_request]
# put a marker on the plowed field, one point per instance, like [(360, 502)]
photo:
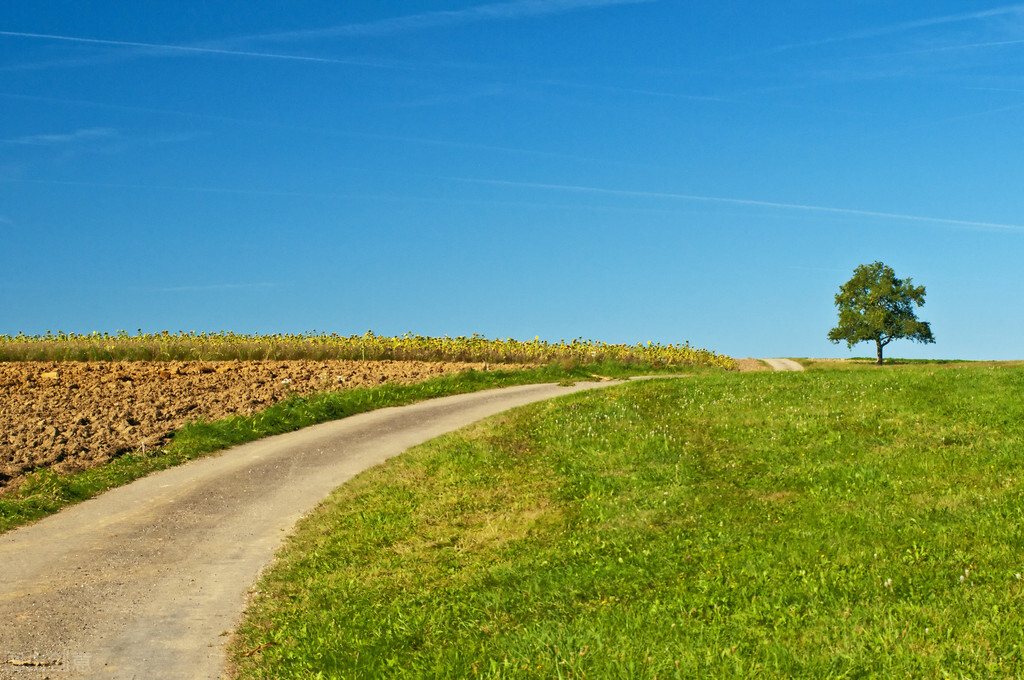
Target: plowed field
[(70, 416)]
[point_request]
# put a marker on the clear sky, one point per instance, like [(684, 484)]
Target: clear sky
[(619, 170)]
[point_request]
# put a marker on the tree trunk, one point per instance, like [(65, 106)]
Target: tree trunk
[(878, 343)]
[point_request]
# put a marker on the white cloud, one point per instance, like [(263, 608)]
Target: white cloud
[(64, 138)]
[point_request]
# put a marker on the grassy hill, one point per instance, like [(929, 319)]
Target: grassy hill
[(854, 523)]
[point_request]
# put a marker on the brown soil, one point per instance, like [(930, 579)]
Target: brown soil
[(746, 365), (72, 416)]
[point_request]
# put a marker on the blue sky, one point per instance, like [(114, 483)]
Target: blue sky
[(620, 170)]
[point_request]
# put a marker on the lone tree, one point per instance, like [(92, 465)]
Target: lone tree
[(875, 305)]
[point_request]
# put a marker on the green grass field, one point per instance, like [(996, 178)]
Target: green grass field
[(826, 524)]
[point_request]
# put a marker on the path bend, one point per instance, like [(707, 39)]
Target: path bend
[(146, 580)]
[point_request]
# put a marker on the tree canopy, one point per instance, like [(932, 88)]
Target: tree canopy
[(875, 305)]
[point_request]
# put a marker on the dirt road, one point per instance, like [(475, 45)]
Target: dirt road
[(146, 580), (784, 365)]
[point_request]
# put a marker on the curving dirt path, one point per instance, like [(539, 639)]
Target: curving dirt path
[(147, 580), (784, 365)]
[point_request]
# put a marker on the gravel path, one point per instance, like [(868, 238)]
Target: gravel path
[(147, 580), (784, 365)]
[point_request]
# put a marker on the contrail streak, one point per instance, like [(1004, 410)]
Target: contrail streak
[(911, 25), (967, 46), (498, 11), (53, 139), (742, 201), (519, 9), (558, 187), (212, 287), (196, 50)]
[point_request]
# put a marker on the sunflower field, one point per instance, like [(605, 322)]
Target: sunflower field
[(227, 346)]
